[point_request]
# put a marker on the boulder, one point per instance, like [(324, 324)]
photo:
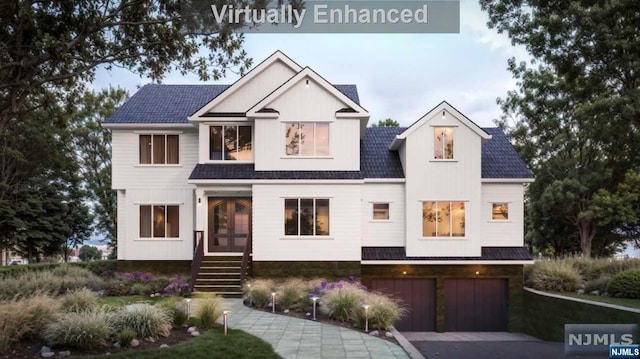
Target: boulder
[(117, 345), (45, 349), (388, 335), (375, 333), (595, 292), (65, 353), (47, 354), (164, 346), (192, 329), (135, 343), (580, 291), (195, 334)]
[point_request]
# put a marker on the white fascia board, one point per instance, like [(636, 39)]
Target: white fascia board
[(148, 126), (272, 181), (508, 180), (276, 56), (384, 180), (445, 262)]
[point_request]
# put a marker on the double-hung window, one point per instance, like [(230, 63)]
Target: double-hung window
[(306, 217), (159, 221), (159, 149), (308, 139)]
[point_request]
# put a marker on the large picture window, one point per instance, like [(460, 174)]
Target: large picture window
[(443, 143), (307, 139), (230, 143), (159, 221), (159, 149), (443, 219), (306, 217)]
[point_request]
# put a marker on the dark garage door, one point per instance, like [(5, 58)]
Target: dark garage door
[(419, 296), (475, 305)]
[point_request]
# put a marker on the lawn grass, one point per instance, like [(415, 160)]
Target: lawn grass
[(124, 300), (625, 302), (212, 344)]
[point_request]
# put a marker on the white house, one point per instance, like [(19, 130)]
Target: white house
[(278, 175)]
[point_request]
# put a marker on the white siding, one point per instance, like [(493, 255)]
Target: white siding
[(502, 233), (307, 104), (429, 180), (269, 243), (129, 174), (131, 247), (255, 90), (376, 233)]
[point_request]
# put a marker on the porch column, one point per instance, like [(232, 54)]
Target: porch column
[(201, 209)]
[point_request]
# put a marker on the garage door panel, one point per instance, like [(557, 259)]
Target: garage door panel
[(475, 304), (418, 296)]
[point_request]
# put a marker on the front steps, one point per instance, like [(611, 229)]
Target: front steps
[(220, 275)]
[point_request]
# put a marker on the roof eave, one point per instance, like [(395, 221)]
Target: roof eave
[(508, 180), (132, 126), (397, 141)]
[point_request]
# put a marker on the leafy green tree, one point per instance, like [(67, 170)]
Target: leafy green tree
[(92, 144), (386, 123), (89, 253), (575, 116)]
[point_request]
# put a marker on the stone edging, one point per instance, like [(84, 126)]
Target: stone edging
[(585, 301), (406, 345)]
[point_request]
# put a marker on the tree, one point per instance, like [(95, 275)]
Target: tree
[(575, 116), (92, 144), (89, 253), (386, 123)]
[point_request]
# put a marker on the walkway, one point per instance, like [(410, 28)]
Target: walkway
[(295, 338)]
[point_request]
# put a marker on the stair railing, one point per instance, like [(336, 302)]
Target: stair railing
[(245, 260), (198, 253)]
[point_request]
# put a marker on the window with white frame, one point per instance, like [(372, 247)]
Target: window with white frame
[(159, 149), (230, 143), (306, 217), (310, 139), (159, 221), (443, 143), (443, 219), (500, 211), (380, 211)]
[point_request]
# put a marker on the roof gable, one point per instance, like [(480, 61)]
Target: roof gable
[(269, 63), (443, 109), (307, 74)]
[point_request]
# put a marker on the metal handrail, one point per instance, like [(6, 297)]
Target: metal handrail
[(198, 253), (245, 259)]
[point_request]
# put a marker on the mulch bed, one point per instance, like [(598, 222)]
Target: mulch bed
[(31, 349)]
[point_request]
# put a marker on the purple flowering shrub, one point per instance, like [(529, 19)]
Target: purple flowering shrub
[(143, 283), (177, 286)]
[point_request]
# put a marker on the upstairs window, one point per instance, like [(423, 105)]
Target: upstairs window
[(309, 139), (159, 221), (159, 149), (443, 143), (381, 211), (500, 211), (443, 219), (306, 217), (230, 143)]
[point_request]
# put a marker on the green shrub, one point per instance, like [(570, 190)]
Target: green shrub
[(25, 318), (556, 275), (103, 269), (290, 294), (208, 311), (157, 285), (625, 284), (342, 304), (599, 284), (83, 330), (383, 311), (54, 282), (140, 289), (177, 310), (146, 320), (126, 337), (260, 296), (80, 300), (117, 288)]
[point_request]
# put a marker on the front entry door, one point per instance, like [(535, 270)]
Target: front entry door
[(229, 224)]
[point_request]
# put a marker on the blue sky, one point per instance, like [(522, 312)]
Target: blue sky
[(401, 76)]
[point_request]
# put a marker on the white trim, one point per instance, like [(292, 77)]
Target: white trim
[(271, 181), (215, 120), (306, 157), (443, 106), (499, 221), (222, 254), (445, 262), (157, 204), (145, 126), (158, 132), (385, 180), (585, 301), (306, 72), (142, 165), (301, 238), (276, 56), (507, 180), (159, 239), (443, 160)]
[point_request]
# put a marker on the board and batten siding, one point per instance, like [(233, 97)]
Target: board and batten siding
[(383, 233), (255, 90), (302, 103), (128, 173), (437, 180), (132, 247), (503, 233), (345, 224)]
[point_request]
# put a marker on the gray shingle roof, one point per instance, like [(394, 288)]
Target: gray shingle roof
[(247, 171), (488, 254), (174, 103), (376, 161), (500, 159)]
